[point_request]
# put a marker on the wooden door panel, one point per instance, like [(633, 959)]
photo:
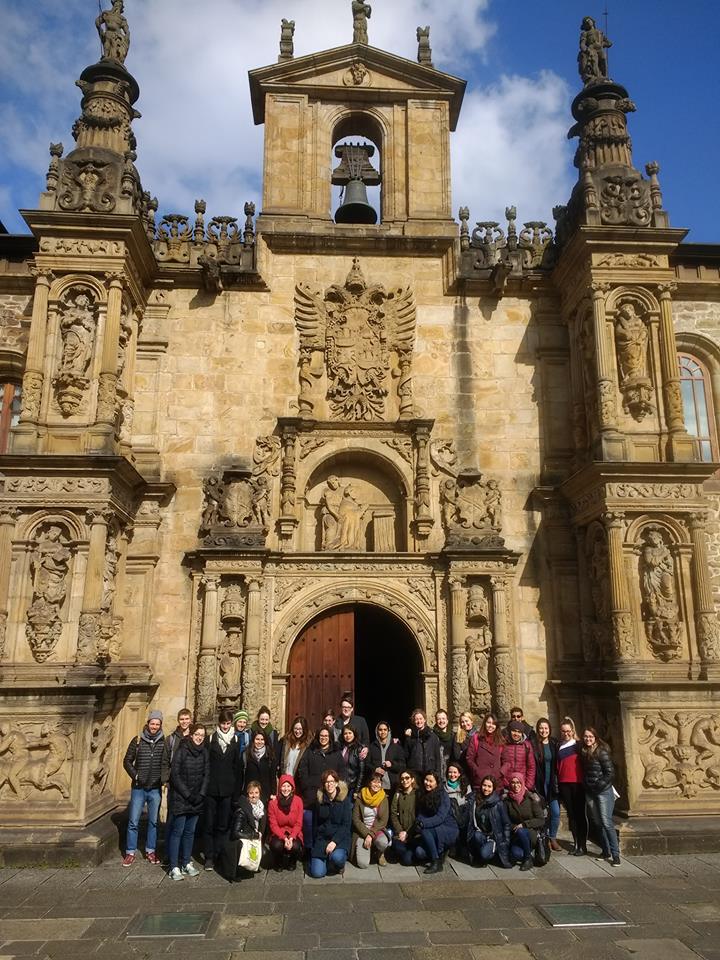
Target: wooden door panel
[(322, 666)]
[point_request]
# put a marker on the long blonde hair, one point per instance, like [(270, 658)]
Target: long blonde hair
[(461, 734)]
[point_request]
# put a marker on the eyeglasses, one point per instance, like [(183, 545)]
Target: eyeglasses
[(516, 716), (330, 780)]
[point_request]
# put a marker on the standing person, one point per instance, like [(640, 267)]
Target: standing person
[(517, 716), (146, 763), (260, 765), (352, 754), (263, 724), (570, 783), (293, 745), (435, 826), (402, 818), (546, 776), (598, 775), (517, 755), (285, 821), (172, 742), (348, 716), (371, 812), (526, 817), (329, 719), (241, 719), (224, 784), (488, 827), (331, 846), (322, 754), (444, 734), (386, 756), (462, 738), (422, 747), (484, 752), (189, 778), (249, 822)]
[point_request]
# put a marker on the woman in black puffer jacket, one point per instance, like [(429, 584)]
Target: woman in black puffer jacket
[(249, 821), (598, 776), (189, 780)]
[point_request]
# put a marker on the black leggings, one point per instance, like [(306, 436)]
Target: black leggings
[(282, 857), (573, 798)]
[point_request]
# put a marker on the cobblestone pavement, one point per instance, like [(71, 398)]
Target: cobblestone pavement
[(671, 906)]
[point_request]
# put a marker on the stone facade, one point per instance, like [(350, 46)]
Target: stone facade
[(232, 426)]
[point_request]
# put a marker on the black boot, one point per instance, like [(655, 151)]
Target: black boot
[(435, 866), (527, 864)]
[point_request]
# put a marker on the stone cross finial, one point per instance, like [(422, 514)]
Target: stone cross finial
[(592, 59), (112, 27), (287, 32), (424, 51), (361, 14)]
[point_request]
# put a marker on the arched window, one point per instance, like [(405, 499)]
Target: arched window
[(697, 405), (10, 403)]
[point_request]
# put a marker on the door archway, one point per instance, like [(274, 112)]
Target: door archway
[(357, 647)]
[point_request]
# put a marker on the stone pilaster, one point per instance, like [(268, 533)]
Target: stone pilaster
[(680, 444), (622, 624), (207, 661), (458, 661), (502, 658), (707, 627), (607, 406), (8, 518), (253, 634), (35, 361), (107, 388)]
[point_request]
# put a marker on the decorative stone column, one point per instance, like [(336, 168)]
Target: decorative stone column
[(288, 517), (458, 660), (253, 633), (681, 445), (107, 388), (502, 660), (622, 625), (34, 364), (232, 616), (607, 406), (8, 518), (707, 627), (423, 512), (89, 627), (206, 697)]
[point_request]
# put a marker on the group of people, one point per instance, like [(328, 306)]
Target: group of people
[(480, 792)]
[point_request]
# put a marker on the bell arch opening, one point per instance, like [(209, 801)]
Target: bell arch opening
[(356, 166), (362, 648)]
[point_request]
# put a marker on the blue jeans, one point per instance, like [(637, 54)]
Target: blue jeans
[(554, 811), (138, 798), (481, 847), (429, 846), (403, 852), (180, 842), (333, 863), (308, 828), (600, 810), (520, 847)]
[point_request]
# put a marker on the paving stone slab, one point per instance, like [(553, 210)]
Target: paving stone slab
[(533, 935), (520, 888), (441, 953), (391, 953), (70, 948), (471, 937), (68, 929), (317, 922), (301, 941), (492, 918), (235, 925), (439, 890), (701, 910), (23, 948), (268, 955), (410, 938), (584, 867), (510, 951), (657, 949), (335, 953), (420, 920), (661, 866)]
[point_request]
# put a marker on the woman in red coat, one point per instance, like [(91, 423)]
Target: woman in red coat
[(285, 821), (483, 754), (517, 756)]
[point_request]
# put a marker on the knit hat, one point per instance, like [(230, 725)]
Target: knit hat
[(516, 725), (155, 715), (241, 715)]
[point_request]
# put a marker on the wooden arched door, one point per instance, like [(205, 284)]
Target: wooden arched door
[(322, 666)]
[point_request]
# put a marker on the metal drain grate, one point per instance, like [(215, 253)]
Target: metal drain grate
[(579, 915)]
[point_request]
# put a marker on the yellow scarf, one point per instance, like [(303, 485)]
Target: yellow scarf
[(372, 799)]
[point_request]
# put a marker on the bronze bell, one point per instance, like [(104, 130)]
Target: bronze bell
[(355, 207)]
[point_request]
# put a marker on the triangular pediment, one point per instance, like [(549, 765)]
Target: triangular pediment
[(355, 71)]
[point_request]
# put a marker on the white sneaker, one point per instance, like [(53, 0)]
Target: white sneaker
[(190, 870), (176, 874)]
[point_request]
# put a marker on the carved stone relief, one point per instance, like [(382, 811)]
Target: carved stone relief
[(596, 633), (632, 340), (50, 565), (424, 589), (77, 322), (660, 611), (66, 246), (681, 752), (33, 761), (478, 648), (359, 336), (101, 756), (343, 517), (636, 260), (471, 507), (232, 615)]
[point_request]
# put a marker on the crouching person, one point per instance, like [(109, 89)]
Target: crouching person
[(285, 823), (402, 819), (330, 848), (371, 811), (488, 826), (527, 816), (248, 822), (435, 825)]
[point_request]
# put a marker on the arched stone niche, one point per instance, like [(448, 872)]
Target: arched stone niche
[(354, 502)]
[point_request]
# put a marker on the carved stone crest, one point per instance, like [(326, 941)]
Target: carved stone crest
[(472, 511), (363, 336)]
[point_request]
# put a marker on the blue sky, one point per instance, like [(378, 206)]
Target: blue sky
[(196, 137)]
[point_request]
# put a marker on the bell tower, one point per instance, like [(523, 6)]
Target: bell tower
[(324, 107)]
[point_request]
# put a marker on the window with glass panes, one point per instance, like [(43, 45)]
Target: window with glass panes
[(697, 405), (9, 411)]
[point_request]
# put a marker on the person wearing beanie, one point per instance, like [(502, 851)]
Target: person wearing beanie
[(517, 756), (285, 823), (147, 764), (241, 719), (223, 787)]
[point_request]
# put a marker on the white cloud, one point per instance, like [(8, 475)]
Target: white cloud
[(196, 136)]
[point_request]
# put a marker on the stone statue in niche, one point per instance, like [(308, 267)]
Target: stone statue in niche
[(471, 508), (478, 647), (631, 341), (660, 610), (34, 764), (361, 14), (50, 564), (366, 334), (592, 58), (112, 28), (342, 517), (77, 332), (232, 615)]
